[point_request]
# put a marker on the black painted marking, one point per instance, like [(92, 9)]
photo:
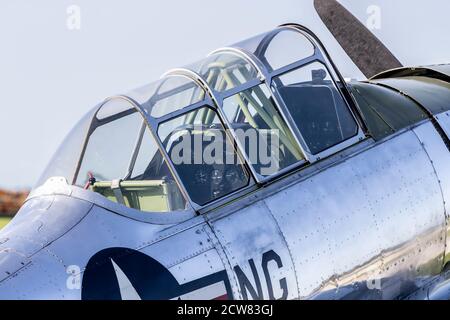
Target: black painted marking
[(246, 285), (151, 280), (266, 258)]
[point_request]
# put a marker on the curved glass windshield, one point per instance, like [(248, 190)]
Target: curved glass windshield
[(121, 160), (64, 161)]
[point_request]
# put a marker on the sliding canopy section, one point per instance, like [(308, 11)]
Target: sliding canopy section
[(308, 88), (236, 85), (183, 115), (279, 48)]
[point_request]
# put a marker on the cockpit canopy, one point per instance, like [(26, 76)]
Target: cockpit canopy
[(242, 116)]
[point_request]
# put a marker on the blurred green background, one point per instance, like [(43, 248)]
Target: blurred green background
[(4, 221), (10, 203)]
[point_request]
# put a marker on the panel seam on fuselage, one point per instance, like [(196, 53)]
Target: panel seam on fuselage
[(442, 194), (211, 232), (287, 247)]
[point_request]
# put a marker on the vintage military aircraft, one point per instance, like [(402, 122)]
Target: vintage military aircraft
[(256, 173)]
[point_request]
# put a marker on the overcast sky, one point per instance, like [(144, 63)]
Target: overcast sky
[(51, 75)]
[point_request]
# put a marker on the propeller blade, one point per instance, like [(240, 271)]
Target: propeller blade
[(368, 53)]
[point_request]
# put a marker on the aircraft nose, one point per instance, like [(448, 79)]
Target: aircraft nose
[(40, 221)]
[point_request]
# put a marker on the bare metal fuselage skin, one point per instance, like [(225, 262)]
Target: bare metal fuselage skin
[(366, 223)]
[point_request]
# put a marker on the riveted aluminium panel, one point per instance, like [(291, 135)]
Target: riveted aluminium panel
[(440, 156), (111, 230), (257, 253), (44, 277), (149, 255), (369, 227)]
